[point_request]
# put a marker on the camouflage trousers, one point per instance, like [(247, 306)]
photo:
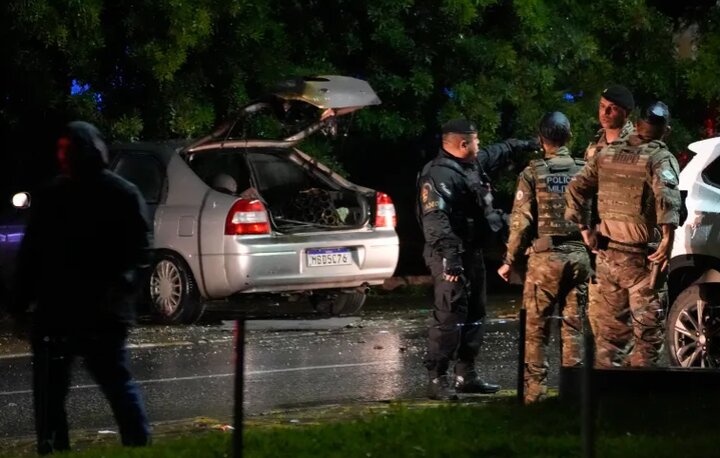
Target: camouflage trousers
[(592, 301), (554, 280), (627, 315)]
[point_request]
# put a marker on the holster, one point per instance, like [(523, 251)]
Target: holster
[(602, 242), (657, 277)]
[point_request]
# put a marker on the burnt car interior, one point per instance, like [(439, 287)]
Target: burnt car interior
[(298, 195)]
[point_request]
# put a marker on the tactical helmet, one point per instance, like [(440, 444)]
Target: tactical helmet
[(555, 127), (657, 114)]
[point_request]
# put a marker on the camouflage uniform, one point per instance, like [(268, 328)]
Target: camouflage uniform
[(558, 265), (592, 149), (601, 142), (636, 186)]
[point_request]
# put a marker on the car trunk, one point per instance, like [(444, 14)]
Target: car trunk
[(299, 194), (254, 156)]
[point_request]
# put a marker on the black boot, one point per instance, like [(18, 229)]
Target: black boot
[(471, 383), (440, 388)]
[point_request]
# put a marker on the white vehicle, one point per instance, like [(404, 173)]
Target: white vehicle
[(693, 324)]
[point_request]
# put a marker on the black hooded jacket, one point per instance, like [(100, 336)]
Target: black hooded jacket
[(87, 237)]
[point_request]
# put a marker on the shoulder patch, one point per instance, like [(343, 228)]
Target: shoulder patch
[(430, 200), (668, 177), (519, 195)]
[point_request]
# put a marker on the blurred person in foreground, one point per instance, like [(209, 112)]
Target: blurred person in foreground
[(78, 269)]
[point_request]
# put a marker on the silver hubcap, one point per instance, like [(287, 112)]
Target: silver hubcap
[(695, 330), (166, 288)]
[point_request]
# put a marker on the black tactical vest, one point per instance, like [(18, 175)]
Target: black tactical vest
[(468, 208)]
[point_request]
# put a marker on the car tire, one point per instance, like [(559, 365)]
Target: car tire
[(174, 298), (338, 303), (693, 327)]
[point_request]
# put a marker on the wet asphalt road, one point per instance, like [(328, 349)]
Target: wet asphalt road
[(186, 372)]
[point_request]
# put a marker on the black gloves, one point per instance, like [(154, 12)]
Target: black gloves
[(524, 145), (452, 267)]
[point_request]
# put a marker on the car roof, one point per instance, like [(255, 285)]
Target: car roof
[(163, 149)]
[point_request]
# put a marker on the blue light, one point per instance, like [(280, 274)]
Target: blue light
[(569, 97), (449, 92), (78, 89)]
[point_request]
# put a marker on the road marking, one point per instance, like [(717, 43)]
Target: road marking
[(231, 374), (130, 346), (16, 355)]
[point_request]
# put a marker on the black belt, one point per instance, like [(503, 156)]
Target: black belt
[(560, 239), (637, 248)]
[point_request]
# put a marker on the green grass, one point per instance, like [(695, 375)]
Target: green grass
[(502, 429)]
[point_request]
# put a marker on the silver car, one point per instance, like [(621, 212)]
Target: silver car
[(244, 211)]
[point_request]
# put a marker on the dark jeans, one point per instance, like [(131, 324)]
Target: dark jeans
[(106, 358), (455, 323)]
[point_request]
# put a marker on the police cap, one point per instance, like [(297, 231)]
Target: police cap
[(657, 114), (555, 127), (459, 126), (619, 95)]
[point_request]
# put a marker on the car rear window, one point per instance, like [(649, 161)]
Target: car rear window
[(275, 171)]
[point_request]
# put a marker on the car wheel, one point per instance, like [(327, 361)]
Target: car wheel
[(338, 303), (693, 327), (173, 294)]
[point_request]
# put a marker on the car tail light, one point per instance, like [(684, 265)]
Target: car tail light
[(247, 216), (385, 211)]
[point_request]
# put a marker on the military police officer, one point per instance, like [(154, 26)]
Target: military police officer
[(637, 186), (614, 108), (616, 103), (558, 267), (457, 217)]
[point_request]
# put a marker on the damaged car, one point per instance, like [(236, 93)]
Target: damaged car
[(693, 322), (244, 211)]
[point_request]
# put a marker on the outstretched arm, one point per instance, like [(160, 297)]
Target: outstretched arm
[(494, 157)]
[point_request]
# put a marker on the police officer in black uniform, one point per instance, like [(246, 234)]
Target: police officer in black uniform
[(457, 217)]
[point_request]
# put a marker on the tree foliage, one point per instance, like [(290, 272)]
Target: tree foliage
[(174, 68)]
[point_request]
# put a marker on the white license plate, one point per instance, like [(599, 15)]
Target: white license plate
[(328, 257)]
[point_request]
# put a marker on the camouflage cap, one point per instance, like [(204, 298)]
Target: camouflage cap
[(459, 126), (619, 95)]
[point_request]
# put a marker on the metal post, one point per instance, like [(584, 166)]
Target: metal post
[(521, 357), (239, 379), (588, 394)]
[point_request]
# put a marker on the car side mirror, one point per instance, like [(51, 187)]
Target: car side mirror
[(21, 200)]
